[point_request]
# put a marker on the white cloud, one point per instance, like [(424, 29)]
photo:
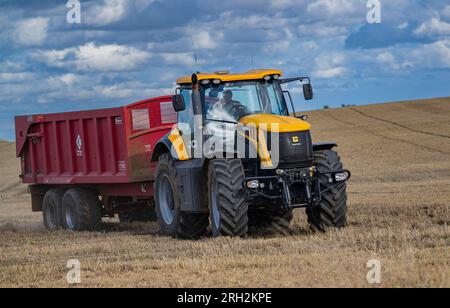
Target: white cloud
[(446, 11), (403, 25), (129, 89), (433, 27), (16, 77), (68, 78), (186, 59), (31, 32), (332, 8), (283, 4), (96, 58), (432, 56), (204, 40), (106, 12), (330, 73), (330, 65)]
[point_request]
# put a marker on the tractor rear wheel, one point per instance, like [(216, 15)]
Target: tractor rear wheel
[(171, 220), (52, 209), (226, 198), (82, 210), (332, 211), (272, 221)]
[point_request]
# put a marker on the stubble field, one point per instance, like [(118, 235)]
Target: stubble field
[(399, 213)]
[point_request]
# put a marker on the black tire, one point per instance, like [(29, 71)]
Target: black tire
[(227, 199), (171, 220), (271, 221), (82, 210), (332, 212), (52, 209)]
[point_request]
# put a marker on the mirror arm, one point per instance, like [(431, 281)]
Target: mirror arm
[(292, 102)]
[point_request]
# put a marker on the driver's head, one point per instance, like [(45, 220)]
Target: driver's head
[(228, 96)]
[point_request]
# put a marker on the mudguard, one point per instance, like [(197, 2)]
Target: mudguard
[(323, 146)]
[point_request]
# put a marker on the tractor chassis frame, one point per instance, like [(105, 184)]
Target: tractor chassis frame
[(309, 178)]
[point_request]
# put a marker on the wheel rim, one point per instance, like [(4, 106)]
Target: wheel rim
[(70, 217), (51, 216), (166, 201), (215, 207)]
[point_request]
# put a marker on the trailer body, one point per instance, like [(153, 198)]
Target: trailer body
[(108, 149)]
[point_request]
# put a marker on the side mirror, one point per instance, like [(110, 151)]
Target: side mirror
[(178, 103), (308, 91)]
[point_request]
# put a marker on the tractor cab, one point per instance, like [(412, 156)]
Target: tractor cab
[(226, 97)]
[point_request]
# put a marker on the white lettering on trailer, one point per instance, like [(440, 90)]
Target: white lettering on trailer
[(79, 144), (121, 166), (119, 121)]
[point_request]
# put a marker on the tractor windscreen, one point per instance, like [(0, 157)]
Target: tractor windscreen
[(231, 101)]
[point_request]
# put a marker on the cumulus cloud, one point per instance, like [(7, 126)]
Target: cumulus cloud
[(106, 12), (335, 8), (432, 56), (433, 27), (16, 77), (185, 59), (330, 65), (91, 57), (140, 45), (31, 32)]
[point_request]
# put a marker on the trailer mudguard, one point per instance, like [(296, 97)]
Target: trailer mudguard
[(323, 146), (193, 186)]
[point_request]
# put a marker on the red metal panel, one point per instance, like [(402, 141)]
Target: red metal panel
[(95, 147)]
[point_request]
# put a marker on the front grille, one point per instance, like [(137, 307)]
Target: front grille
[(296, 150)]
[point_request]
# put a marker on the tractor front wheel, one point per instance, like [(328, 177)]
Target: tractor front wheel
[(227, 199), (332, 211)]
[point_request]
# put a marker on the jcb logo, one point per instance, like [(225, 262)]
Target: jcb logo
[(295, 139)]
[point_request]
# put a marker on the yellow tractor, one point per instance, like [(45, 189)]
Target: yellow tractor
[(225, 188)]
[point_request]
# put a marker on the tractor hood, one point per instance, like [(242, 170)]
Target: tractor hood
[(283, 124)]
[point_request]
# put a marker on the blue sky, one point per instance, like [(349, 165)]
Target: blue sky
[(127, 50)]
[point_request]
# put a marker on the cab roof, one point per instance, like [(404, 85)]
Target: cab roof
[(228, 77)]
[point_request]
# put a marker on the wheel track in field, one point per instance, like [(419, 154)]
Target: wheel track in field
[(423, 147), (399, 124)]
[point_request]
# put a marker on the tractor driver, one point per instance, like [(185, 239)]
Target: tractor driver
[(228, 109)]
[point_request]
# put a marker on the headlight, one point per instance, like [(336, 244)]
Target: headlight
[(341, 177), (253, 184)]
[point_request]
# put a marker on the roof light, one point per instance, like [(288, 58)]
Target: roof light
[(267, 78), (226, 72), (276, 77), (216, 81), (206, 81)]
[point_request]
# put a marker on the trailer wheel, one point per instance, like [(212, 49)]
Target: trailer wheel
[(171, 220), (227, 199), (81, 210), (52, 209), (332, 211), (272, 221)]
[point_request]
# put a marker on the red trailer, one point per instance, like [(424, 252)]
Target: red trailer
[(71, 155)]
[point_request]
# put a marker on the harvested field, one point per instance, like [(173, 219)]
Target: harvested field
[(399, 213)]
